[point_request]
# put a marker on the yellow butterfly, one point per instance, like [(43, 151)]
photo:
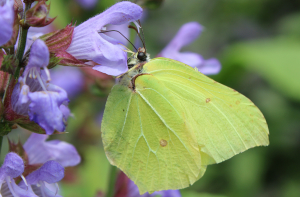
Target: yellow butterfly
[(164, 122)]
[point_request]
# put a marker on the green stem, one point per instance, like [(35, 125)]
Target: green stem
[(112, 181), (1, 139), (22, 41), (5, 90)]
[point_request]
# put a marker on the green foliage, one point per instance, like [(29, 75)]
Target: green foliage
[(277, 60)]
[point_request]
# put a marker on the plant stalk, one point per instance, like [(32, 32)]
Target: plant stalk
[(22, 41), (112, 181)]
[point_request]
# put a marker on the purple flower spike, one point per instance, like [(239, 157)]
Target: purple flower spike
[(89, 44), (187, 34), (6, 20), (43, 102), (40, 151)]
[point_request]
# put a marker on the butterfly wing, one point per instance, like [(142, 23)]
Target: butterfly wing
[(145, 136), (177, 121), (224, 121)]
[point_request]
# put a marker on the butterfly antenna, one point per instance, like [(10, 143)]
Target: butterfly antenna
[(105, 31), (144, 43), (134, 28)]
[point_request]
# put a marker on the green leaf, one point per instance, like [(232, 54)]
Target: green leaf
[(277, 60)]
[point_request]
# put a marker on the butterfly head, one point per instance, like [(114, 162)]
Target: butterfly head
[(139, 57)]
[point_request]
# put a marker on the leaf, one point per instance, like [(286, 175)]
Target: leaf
[(164, 125), (276, 60)]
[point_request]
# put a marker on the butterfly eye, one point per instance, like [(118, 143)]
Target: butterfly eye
[(130, 66), (142, 56)]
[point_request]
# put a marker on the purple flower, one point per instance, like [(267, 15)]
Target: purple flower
[(44, 180), (40, 151), (69, 78), (187, 34), (89, 44), (87, 4), (6, 20), (133, 191), (13, 166), (35, 97)]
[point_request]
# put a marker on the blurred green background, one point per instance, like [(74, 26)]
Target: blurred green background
[(258, 44)]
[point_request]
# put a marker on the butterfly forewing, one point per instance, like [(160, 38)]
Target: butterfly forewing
[(224, 121)]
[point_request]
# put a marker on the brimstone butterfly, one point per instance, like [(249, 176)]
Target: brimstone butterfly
[(164, 122)]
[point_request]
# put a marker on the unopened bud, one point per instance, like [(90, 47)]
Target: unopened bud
[(37, 16)]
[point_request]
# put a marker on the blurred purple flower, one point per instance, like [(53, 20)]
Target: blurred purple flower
[(133, 191), (44, 180), (35, 97), (40, 151), (71, 79), (87, 4), (89, 44), (187, 34), (12, 167), (6, 20)]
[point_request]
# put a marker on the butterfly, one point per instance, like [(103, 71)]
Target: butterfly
[(164, 122)]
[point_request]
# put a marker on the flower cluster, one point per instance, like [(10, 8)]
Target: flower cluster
[(47, 159)]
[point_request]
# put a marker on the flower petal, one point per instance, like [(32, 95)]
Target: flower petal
[(13, 189), (51, 172), (89, 44), (13, 166), (39, 55), (189, 58), (210, 67), (44, 108), (133, 191), (187, 34), (20, 100), (40, 151), (6, 21)]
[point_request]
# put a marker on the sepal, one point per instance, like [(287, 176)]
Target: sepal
[(58, 42), (66, 59), (9, 63), (18, 6)]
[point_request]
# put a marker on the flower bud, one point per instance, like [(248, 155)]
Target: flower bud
[(37, 16)]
